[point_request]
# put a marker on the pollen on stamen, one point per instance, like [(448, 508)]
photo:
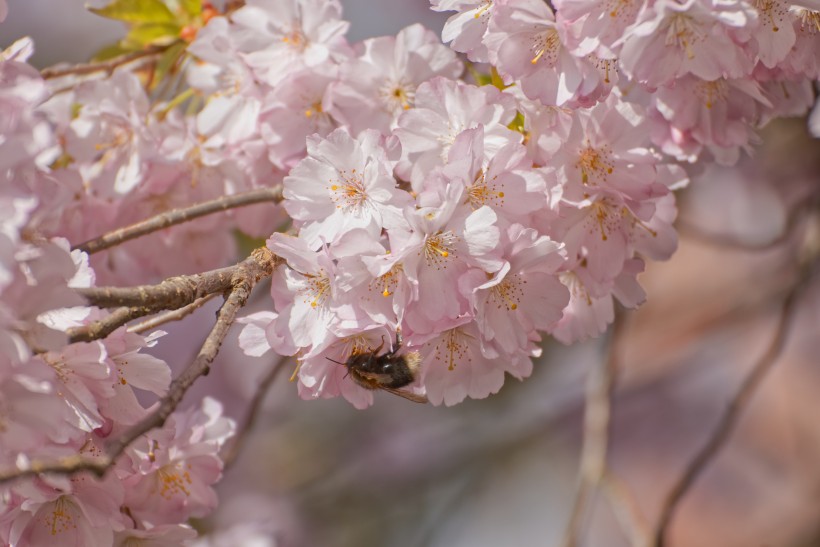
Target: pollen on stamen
[(439, 247), (454, 348)]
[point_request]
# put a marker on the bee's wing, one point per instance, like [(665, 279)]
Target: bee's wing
[(410, 396)]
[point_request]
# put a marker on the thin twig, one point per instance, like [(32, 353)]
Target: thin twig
[(717, 439), (103, 327), (173, 315), (597, 412), (178, 216), (626, 510), (243, 282), (235, 448), (105, 66)]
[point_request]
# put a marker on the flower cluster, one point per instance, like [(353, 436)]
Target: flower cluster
[(60, 400), (743, 62), (473, 219), (471, 215)]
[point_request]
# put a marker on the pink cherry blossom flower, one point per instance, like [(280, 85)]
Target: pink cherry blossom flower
[(220, 68), (443, 110), (546, 128), (297, 110), (586, 316), (458, 365), (525, 44), (466, 29), (280, 37), (132, 369), (343, 184), (77, 511), (803, 60), (603, 233), (109, 138), (82, 373), (507, 183), (607, 150), (524, 296), (596, 26), (591, 306), (704, 38), (27, 139), (775, 35), (303, 295), (446, 241), (253, 338), (34, 415), (173, 468), (381, 83), (719, 116)]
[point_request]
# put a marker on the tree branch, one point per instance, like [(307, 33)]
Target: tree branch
[(717, 439), (598, 408), (103, 327), (626, 510), (258, 266), (173, 315), (176, 292), (108, 66), (178, 216)]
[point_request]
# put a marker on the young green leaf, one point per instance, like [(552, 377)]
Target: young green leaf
[(136, 11)]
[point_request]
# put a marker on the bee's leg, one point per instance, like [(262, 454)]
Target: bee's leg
[(378, 349), (396, 349)]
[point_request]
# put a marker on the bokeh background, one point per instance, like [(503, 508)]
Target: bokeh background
[(503, 471)]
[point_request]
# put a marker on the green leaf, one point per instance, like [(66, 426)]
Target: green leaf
[(152, 34), (136, 11), (518, 123), (110, 52), (191, 7), (168, 62)]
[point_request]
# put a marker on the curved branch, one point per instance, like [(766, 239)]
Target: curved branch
[(103, 327), (597, 414), (178, 216), (105, 66), (626, 510), (242, 283), (174, 315), (717, 439)]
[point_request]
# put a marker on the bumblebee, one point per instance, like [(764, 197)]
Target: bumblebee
[(389, 371)]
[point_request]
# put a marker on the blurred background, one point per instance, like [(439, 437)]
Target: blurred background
[(503, 471)]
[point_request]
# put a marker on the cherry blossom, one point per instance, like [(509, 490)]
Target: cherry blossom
[(467, 28), (471, 214), (283, 36), (374, 89), (443, 110), (699, 37), (525, 44), (343, 184)]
